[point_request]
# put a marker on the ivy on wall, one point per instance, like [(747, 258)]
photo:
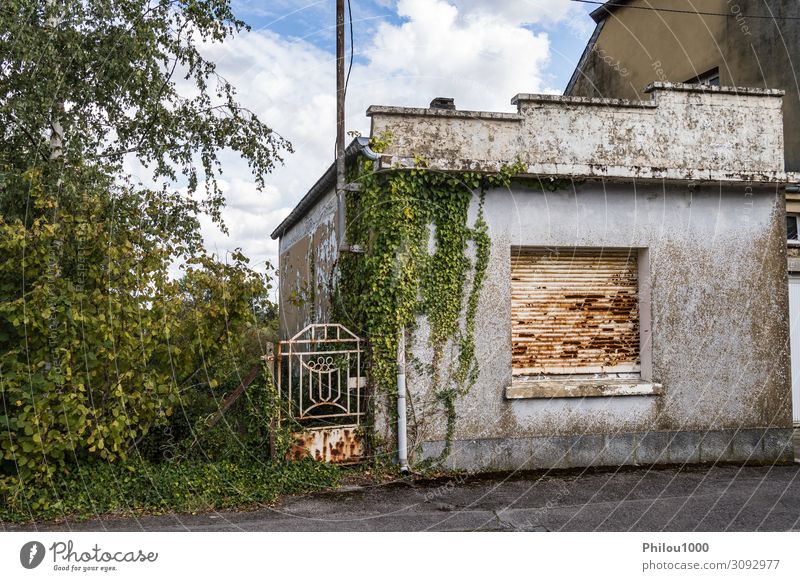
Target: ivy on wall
[(413, 224)]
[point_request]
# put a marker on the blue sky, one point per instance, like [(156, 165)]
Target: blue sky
[(406, 52), (313, 20)]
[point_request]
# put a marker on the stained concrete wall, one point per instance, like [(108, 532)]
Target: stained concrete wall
[(719, 332), (307, 253), (633, 48), (694, 176), (682, 132)]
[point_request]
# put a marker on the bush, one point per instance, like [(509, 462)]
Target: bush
[(98, 344)]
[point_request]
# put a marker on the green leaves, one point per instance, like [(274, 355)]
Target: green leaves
[(100, 343), (135, 487), (124, 78)]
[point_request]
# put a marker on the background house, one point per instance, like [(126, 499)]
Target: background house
[(630, 317)]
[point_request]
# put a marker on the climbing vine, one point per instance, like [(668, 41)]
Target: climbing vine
[(413, 226)]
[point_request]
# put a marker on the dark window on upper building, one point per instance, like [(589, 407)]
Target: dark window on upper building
[(707, 78), (792, 227)]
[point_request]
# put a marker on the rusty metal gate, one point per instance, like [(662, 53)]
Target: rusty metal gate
[(320, 377)]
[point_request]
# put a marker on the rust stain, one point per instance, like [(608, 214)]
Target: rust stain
[(335, 445), (574, 311)]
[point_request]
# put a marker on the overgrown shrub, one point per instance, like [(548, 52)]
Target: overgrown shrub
[(100, 345)]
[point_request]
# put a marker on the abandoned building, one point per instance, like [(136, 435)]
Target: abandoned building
[(633, 306), (747, 43)]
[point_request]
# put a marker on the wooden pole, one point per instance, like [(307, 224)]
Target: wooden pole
[(340, 97)]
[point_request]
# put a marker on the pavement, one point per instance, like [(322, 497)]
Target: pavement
[(658, 498), (689, 498)]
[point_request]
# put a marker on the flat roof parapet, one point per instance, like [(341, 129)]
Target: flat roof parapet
[(436, 112), (569, 100), (684, 132), (699, 88), (730, 135)]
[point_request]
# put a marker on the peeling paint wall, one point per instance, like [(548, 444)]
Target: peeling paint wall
[(684, 132), (307, 257), (695, 178)]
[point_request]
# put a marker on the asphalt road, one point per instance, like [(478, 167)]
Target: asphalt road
[(719, 498)]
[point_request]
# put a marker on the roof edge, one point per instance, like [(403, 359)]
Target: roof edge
[(602, 12), (584, 57), (698, 88), (430, 112), (320, 187), (569, 99)]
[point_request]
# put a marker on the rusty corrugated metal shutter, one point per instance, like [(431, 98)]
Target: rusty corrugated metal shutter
[(574, 311)]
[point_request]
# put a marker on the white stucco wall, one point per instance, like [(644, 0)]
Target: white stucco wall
[(719, 301)]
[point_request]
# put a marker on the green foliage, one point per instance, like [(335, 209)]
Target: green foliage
[(125, 77), (142, 487), (101, 344), (397, 279)]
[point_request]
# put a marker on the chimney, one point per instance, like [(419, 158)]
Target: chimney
[(443, 103)]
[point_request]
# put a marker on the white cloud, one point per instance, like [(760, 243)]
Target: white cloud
[(518, 11), (479, 59), (479, 53)]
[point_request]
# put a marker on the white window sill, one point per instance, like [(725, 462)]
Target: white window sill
[(524, 388)]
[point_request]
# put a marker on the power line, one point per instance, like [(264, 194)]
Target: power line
[(692, 12), (352, 48)]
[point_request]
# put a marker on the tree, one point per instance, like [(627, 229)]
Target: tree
[(97, 341)]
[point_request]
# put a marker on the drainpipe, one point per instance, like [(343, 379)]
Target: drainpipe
[(402, 435)]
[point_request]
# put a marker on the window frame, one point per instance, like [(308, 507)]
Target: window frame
[(706, 78), (796, 217)]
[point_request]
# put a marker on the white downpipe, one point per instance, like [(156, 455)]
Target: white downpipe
[(402, 428)]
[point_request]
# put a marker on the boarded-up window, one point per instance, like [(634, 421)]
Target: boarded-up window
[(574, 311)]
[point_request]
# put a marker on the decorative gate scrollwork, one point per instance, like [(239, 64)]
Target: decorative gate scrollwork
[(320, 374)]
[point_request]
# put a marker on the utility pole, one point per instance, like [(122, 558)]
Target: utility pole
[(340, 97)]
